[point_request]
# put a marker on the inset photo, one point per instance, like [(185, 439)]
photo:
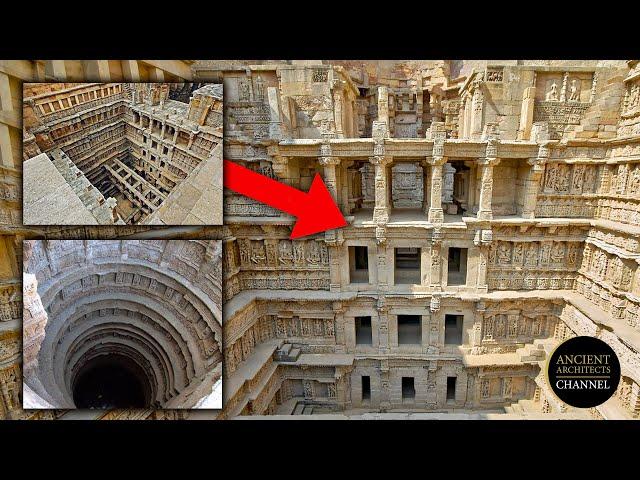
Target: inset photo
[(122, 153), (122, 324)]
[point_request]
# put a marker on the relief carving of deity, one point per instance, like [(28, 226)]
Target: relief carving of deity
[(563, 178), (484, 388), (243, 91), (308, 389), (271, 252), (557, 253), (244, 251), (324, 254), (504, 253), (578, 174), (518, 249), (500, 326), (286, 252), (634, 183), (532, 254), (298, 252), (313, 256), (328, 327), (259, 93), (492, 254), (258, 255), (544, 253), (623, 172), (589, 182), (573, 254), (280, 328), (306, 327), (573, 91), (552, 94), (435, 257), (615, 271)]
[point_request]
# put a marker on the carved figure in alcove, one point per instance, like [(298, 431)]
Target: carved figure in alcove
[(573, 92), (552, 94)]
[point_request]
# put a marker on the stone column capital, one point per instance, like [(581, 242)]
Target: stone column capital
[(327, 161), (489, 161), (381, 160), (436, 160)]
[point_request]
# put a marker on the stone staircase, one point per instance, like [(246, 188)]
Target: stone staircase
[(523, 407), (287, 353), (302, 409), (537, 352)]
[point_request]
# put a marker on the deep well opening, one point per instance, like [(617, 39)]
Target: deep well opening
[(124, 333), (113, 381)]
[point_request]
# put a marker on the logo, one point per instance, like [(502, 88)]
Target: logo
[(583, 372)]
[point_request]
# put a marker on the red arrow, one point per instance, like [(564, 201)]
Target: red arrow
[(316, 211)]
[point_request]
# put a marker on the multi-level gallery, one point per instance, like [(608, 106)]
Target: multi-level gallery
[(493, 211), (122, 154)]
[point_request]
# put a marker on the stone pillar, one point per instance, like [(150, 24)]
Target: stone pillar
[(275, 130), (477, 105), (341, 340), (532, 184), (436, 215), (164, 127), (383, 105), (330, 176), (482, 240), (385, 390), (337, 113), (345, 187), (436, 260), (191, 137), (383, 327), (526, 113), (475, 337), (175, 133), (382, 185), (486, 188), (426, 185), (337, 261)]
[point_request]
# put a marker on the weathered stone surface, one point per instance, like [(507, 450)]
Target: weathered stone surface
[(123, 149), (521, 231)]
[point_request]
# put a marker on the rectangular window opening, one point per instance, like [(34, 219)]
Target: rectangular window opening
[(409, 330), (453, 329)]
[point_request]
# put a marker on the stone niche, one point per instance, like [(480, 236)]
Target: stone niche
[(561, 99)]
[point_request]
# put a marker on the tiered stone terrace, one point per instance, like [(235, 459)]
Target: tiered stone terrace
[(491, 216), (132, 154)]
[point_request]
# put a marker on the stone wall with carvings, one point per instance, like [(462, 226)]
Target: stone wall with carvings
[(156, 302)]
